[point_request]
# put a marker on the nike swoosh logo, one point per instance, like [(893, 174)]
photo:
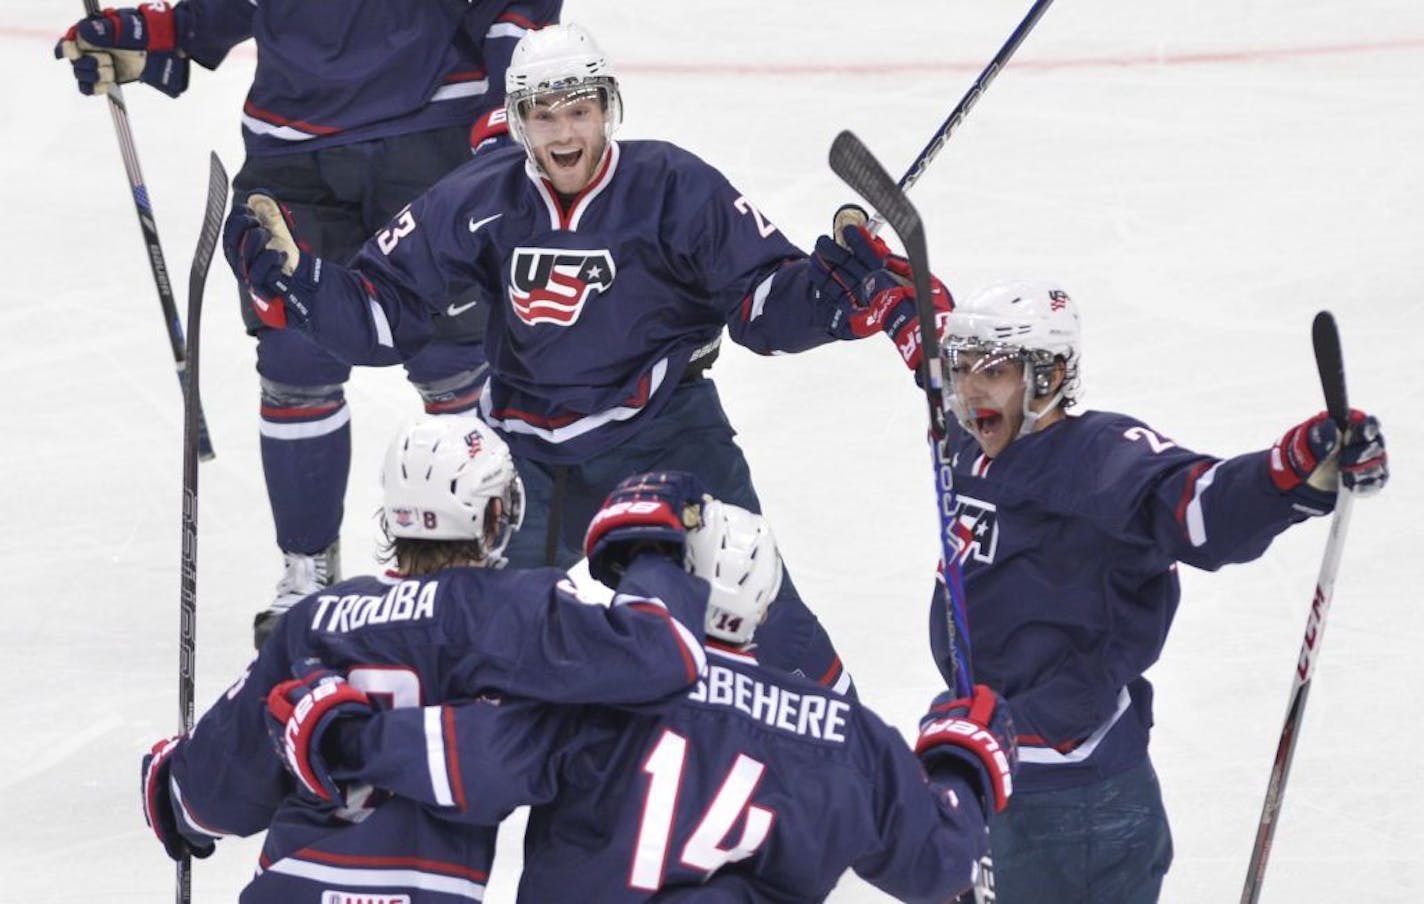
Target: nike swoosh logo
[(455, 310), (475, 226)]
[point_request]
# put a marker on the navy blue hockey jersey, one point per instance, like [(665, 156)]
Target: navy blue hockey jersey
[(413, 642), (762, 780), (597, 310), (1069, 543), (336, 73)]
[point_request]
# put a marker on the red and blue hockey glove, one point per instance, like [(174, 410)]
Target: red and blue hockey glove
[(123, 45), (315, 722), (1309, 461), (260, 242), (973, 736), (653, 510), (490, 131), (869, 287), (158, 809)]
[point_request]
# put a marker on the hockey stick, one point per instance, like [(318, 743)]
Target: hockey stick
[(119, 112), (853, 162), (967, 102), (1331, 365), (192, 438)]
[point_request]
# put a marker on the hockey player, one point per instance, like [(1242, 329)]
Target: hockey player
[(346, 124), (445, 624), (1073, 527), (612, 269), (754, 786)]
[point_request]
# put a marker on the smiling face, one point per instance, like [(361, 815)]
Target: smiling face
[(567, 135)]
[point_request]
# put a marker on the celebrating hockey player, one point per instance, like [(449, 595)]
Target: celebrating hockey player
[(611, 269), (445, 624), (346, 125), (1074, 526), (754, 786)]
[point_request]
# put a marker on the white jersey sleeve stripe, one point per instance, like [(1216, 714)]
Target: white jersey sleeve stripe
[(1196, 519), (435, 760)]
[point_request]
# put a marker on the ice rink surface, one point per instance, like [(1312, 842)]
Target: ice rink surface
[(1203, 176)]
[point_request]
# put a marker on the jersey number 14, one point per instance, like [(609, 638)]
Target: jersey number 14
[(703, 850)]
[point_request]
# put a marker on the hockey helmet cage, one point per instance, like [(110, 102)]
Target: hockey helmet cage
[(558, 60), (1036, 321)]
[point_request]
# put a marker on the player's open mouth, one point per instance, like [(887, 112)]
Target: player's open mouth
[(987, 421), (566, 159)]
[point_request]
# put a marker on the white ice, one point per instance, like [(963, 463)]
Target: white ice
[(1204, 176)]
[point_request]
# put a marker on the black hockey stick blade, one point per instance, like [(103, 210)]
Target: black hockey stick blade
[(853, 162), (1331, 364)]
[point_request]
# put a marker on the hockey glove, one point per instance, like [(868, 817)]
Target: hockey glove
[(489, 132), (122, 45), (973, 736), (316, 720), (260, 243), (870, 287), (1309, 461), (653, 510), (158, 803)]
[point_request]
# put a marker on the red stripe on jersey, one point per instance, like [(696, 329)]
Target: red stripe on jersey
[(832, 673), (1027, 740), (687, 660), (420, 863), (516, 19), (473, 75), (452, 756), (1190, 489), (637, 400), (274, 119)]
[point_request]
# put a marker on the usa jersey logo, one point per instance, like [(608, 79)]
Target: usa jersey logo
[(551, 285), (975, 529)]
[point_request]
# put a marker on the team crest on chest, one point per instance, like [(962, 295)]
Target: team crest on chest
[(975, 529), (551, 285)]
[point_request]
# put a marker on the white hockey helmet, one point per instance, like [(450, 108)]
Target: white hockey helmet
[(442, 479), (1034, 321), (735, 552), (558, 60)]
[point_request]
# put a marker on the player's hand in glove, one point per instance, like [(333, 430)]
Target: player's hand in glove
[(490, 131), (870, 287), (123, 45), (260, 242), (1310, 461), (158, 809), (973, 737), (315, 722), (653, 510)]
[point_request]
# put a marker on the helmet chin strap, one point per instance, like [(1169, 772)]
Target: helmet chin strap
[(1031, 417)]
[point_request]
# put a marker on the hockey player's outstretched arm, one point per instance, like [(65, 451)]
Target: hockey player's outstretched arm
[(376, 319)]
